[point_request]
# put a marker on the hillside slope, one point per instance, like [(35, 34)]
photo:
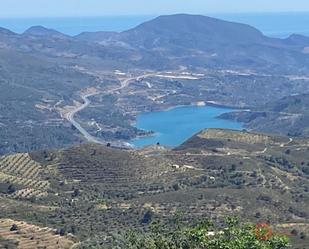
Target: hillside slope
[(96, 192), (287, 116), (196, 41), (166, 62)]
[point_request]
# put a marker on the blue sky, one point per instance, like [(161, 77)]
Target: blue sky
[(50, 8)]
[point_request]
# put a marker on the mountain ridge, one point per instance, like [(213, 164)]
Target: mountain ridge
[(42, 31), (227, 72), (183, 24)]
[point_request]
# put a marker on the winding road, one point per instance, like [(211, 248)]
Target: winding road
[(124, 83), (70, 117)]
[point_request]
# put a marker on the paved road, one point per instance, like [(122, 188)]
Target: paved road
[(124, 83), (70, 117)]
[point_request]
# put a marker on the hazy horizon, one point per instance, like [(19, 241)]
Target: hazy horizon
[(163, 14), (95, 8), (276, 24)]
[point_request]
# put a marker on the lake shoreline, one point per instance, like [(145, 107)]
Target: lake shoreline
[(163, 123)]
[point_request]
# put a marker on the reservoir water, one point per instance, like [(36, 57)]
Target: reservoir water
[(176, 125)]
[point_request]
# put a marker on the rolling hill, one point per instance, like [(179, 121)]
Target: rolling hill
[(96, 193), (287, 116), (197, 41)]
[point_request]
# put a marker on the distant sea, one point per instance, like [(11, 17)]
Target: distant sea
[(272, 24)]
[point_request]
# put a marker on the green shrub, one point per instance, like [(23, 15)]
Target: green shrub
[(205, 236)]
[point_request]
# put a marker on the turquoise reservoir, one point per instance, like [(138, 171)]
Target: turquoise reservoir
[(176, 125)]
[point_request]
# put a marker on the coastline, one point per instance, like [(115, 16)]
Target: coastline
[(215, 104)]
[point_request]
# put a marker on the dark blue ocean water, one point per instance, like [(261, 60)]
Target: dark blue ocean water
[(76, 25), (272, 24), (279, 25), (175, 126)]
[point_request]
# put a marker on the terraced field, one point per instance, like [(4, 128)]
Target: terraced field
[(111, 169), (27, 236), (22, 171), (98, 193)]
